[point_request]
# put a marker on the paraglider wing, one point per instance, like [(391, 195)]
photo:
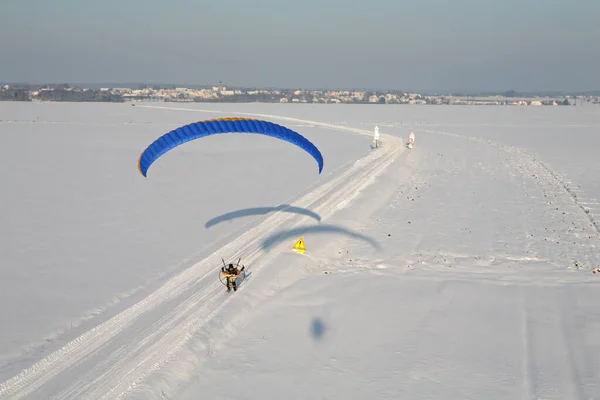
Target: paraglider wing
[(205, 128)]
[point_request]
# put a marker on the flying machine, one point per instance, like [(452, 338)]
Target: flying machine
[(232, 275), (210, 127)]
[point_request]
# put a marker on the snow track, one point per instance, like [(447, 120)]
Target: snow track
[(113, 357), (551, 184)]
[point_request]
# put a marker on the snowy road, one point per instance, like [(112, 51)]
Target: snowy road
[(110, 359)]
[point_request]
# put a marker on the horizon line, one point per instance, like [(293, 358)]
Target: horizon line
[(124, 84)]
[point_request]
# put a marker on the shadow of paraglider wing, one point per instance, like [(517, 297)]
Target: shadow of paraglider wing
[(281, 236), (260, 211)]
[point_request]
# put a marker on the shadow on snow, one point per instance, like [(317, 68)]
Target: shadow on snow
[(260, 211), (280, 236), (317, 328)]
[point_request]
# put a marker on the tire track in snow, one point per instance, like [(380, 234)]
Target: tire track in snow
[(272, 116), (527, 368), (151, 357), (580, 355), (162, 351), (551, 178), (580, 221), (144, 349)]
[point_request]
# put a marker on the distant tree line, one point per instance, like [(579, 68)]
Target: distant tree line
[(62, 94), (14, 95)]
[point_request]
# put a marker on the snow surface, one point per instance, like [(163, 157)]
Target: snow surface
[(459, 269)]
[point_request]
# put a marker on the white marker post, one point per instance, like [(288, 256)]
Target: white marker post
[(411, 140), (376, 137)]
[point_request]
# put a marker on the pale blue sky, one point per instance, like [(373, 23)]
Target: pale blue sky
[(469, 45)]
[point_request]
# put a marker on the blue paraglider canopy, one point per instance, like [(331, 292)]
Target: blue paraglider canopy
[(205, 128)]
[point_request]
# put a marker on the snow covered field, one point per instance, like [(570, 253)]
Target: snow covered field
[(459, 269)]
